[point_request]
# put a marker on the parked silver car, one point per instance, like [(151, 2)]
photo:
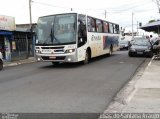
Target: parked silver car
[(124, 44), (1, 61)]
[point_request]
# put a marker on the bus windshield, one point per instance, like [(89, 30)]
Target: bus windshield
[(56, 30)]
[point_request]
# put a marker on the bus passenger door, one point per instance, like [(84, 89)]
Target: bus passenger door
[(82, 37)]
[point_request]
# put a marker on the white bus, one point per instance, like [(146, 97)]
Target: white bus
[(73, 37)]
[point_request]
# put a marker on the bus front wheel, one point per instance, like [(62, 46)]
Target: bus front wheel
[(87, 56)]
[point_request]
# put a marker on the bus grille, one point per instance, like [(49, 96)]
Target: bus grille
[(53, 47)]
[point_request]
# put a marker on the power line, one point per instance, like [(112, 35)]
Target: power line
[(56, 6), (50, 5), (105, 10), (91, 9)]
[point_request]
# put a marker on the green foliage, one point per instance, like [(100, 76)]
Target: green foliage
[(151, 21)]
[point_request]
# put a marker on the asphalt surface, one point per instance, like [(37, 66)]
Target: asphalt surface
[(67, 88)]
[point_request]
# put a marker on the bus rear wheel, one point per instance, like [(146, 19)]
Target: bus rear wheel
[(1, 64), (110, 51)]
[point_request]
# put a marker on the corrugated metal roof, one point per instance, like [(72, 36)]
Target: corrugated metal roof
[(157, 23), (154, 26)]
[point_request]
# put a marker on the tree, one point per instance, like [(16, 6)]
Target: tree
[(151, 21), (158, 4)]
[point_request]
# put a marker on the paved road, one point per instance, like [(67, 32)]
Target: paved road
[(41, 87)]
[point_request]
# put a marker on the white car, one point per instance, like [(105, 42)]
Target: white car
[(124, 44), (1, 61)]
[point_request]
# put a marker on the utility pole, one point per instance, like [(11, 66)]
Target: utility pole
[(30, 14), (132, 25), (137, 28), (105, 14), (158, 5)]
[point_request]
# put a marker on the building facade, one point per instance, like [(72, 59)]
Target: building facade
[(16, 43)]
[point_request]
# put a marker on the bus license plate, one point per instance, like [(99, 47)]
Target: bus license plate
[(52, 57)]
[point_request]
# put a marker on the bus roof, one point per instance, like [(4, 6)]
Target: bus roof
[(79, 13)]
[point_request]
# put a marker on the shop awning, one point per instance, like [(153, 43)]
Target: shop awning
[(5, 33), (154, 27)]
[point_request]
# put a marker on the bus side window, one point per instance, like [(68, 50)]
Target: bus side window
[(91, 25), (110, 28), (117, 29), (105, 27), (99, 26)]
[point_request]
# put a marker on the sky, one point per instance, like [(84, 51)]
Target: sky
[(117, 11)]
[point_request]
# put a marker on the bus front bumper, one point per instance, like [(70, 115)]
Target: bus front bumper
[(68, 57)]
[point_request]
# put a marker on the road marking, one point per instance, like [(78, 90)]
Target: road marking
[(121, 62), (149, 64), (131, 95)]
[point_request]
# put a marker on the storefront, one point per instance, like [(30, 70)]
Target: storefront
[(5, 44), (15, 44), (7, 25), (21, 45)]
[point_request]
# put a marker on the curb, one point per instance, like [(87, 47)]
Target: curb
[(124, 96), (20, 62)]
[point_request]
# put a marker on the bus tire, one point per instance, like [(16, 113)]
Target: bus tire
[(110, 50), (1, 64), (87, 57)]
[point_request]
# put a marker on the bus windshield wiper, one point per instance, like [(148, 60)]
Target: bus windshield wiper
[(53, 36)]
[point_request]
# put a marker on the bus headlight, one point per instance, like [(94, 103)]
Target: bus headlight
[(38, 51), (69, 59), (70, 51), (38, 59)]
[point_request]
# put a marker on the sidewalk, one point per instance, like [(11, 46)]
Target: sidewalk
[(14, 63), (147, 95), (141, 94)]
